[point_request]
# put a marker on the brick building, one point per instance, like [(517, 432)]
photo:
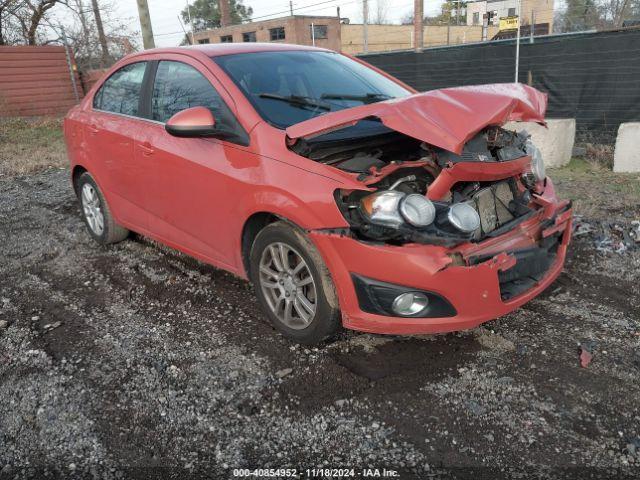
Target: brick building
[(293, 29)]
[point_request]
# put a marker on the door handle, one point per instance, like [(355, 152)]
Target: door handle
[(146, 148), (93, 129)]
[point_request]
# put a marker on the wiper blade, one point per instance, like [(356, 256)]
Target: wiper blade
[(296, 100), (367, 98)]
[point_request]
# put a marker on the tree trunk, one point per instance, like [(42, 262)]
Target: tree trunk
[(101, 36)]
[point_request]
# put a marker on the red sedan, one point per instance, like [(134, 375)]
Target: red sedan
[(346, 197)]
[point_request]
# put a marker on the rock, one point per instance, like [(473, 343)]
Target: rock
[(626, 157), (475, 408), (340, 403), (3, 324), (52, 326), (495, 342), (284, 372), (554, 141)]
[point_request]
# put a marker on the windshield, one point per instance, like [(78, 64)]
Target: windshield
[(290, 87)]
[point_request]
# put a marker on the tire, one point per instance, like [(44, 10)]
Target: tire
[(291, 282), (96, 213)]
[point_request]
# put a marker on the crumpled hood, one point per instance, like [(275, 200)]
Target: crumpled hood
[(445, 118)]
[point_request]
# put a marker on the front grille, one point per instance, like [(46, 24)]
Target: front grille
[(492, 204), (531, 266)]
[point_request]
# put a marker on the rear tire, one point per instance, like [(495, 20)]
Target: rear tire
[(96, 213), (293, 284)]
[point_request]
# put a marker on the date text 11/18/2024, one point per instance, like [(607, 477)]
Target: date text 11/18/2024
[(316, 473)]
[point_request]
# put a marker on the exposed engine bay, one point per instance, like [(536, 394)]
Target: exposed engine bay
[(399, 170)]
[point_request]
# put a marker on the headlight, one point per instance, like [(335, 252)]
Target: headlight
[(382, 208), (417, 210), (392, 208), (464, 217), (537, 163)]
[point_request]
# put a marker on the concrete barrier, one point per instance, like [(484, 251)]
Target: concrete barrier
[(555, 142), (626, 157)]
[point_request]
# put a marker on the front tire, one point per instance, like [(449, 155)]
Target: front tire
[(96, 213), (293, 284)]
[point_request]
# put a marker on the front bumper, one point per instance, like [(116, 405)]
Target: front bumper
[(474, 290)]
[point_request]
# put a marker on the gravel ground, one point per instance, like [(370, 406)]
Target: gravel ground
[(134, 361)]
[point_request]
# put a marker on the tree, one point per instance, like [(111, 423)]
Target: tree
[(381, 13), (20, 20), (10, 29), (615, 12), (451, 13), (579, 15), (84, 39), (205, 14)]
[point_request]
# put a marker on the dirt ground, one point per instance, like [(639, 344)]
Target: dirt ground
[(135, 361)]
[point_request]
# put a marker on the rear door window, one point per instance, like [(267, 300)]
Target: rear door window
[(120, 93)]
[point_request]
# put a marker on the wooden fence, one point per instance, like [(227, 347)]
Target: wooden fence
[(36, 81)]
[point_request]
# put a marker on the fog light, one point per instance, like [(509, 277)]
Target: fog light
[(464, 217), (411, 303)]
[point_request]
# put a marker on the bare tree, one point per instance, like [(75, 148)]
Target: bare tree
[(381, 13), (10, 29), (84, 37), (35, 12), (21, 20), (615, 12)]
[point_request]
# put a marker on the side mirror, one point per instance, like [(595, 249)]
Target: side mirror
[(192, 122)]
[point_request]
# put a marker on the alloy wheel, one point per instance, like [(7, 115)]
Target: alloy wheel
[(288, 285), (92, 209)]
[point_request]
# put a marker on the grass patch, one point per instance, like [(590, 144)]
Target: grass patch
[(28, 145), (598, 192)]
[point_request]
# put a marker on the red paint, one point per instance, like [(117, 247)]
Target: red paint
[(192, 117), (446, 118), (196, 194), (35, 81)]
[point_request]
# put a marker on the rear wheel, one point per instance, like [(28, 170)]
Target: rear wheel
[(96, 213), (293, 284)]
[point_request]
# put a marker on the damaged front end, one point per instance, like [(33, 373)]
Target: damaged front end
[(414, 192), (468, 200), (435, 168)]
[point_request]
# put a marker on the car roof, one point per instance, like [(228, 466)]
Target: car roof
[(218, 49)]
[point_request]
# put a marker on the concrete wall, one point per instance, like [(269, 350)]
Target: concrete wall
[(297, 30), (627, 154), (555, 142), (384, 38)]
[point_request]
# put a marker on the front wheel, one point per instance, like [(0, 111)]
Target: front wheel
[(293, 284)]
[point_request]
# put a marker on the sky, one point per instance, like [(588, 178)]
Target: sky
[(168, 32)]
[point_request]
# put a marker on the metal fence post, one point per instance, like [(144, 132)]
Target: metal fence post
[(69, 63), (518, 40)]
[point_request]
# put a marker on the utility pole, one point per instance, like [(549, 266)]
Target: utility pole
[(365, 21), (291, 7), (193, 38), (145, 25), (225, 13), (533, 26), (103, 40), (338, 12), (418, 20)]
